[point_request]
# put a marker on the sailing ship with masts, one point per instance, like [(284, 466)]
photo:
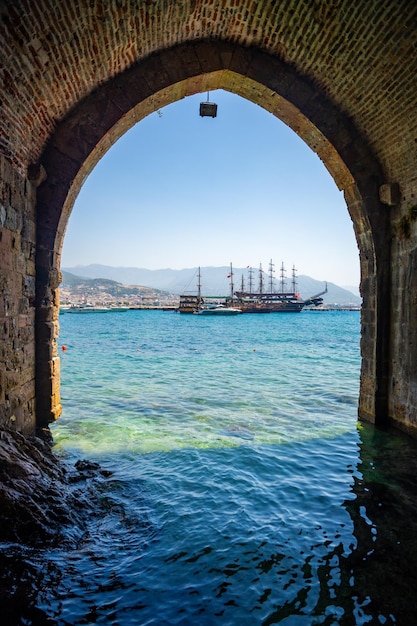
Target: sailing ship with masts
[(195, 303), (191, 302), (263, 299), (267, 299)]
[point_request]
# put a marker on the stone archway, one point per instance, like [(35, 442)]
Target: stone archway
[(108, 112)]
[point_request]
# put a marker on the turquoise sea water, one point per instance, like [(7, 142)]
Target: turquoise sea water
[(159, 381), (243, 490)]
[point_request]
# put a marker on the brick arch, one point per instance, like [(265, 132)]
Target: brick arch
[(106, 114)]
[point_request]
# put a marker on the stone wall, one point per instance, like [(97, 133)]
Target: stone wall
[(268, 82), (17, 300), (403, 369)]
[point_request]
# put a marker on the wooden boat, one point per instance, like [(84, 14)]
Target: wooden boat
[(263, 300), (271, 301), (191, 302)]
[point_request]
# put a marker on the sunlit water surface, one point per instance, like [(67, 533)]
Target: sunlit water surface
[(243, 490)]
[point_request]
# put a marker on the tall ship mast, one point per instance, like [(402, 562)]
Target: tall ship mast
[(232, 289), (271, 276), (294, 279), (199, 284), (261, 279), (282, 278), (250, 280)]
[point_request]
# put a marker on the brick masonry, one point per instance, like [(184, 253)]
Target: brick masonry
[(76, 74)]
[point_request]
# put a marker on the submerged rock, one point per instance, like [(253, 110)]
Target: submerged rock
[(43, 501)]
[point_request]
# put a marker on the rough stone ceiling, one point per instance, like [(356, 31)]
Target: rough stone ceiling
[(361, 53)]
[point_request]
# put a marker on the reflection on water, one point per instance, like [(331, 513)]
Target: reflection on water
[(237, 486), (288, 562), (384, 513)]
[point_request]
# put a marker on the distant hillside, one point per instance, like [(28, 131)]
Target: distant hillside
[(214, 281), (113, 288)]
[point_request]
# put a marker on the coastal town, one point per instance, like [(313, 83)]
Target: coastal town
[(100, 292)]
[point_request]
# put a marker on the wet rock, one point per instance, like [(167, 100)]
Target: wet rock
[(43, 501), (87, 469)]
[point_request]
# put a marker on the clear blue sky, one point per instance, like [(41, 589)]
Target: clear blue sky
[(180, 191)]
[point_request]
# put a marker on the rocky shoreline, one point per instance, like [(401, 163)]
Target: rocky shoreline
[(44, 501)]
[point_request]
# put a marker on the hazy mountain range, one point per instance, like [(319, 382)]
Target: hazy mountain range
[(214, 281)]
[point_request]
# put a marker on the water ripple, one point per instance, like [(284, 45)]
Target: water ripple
[(242, 489)]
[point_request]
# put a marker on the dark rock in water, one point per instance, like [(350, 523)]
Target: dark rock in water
[(41, 497), (88, 469)]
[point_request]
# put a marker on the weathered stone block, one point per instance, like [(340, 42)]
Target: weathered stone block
[(389, 194)]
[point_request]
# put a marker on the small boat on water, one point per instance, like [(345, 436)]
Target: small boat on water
[(217, 309), (87, 308)]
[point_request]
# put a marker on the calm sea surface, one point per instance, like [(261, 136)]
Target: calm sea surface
[(243, 491)]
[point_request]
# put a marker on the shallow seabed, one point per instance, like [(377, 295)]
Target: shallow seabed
[(243, 491)]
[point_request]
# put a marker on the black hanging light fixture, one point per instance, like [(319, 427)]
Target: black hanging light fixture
[(208, 109)]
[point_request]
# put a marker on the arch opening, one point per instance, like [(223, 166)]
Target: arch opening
[(176, 191), (106, 114), (260, 202)]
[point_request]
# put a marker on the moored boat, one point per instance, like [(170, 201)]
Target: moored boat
[(218, 309), (195, 303), (272, 301), (262, 300), (87, 308), (191, 302)]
